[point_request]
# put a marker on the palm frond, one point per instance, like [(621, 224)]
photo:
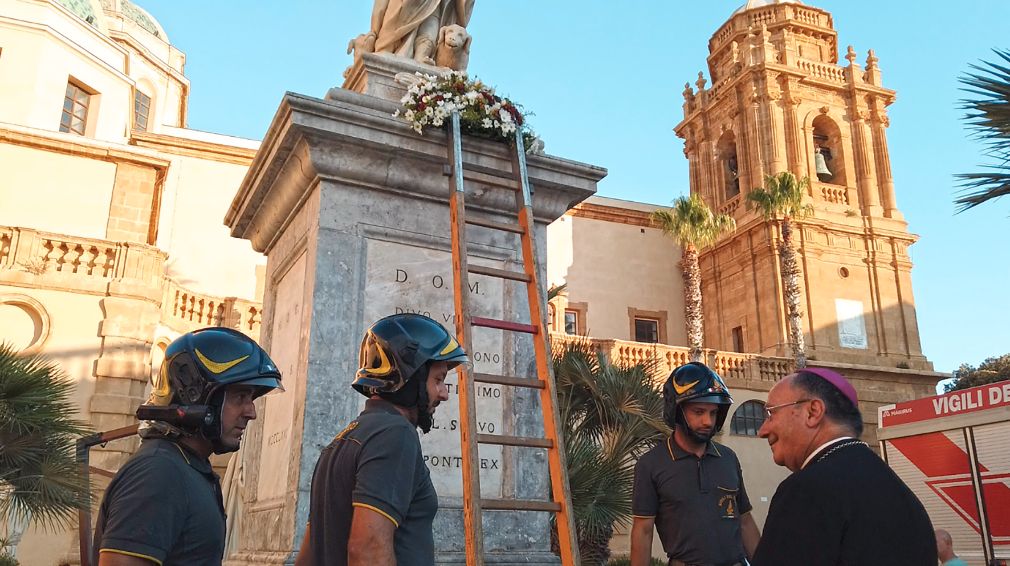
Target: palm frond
[(691, 223), (782, 194), (987, 115), (610, 415), (556, 290), (39, 479)]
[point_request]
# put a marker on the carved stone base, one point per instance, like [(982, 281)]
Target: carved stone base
[(375, 74)]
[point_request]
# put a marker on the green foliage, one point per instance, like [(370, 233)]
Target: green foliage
[(555, 291), (691, 223), (988, 117), (991, 370), (782, 195), (626, 561), (610, 416), (39, 479), (8, 560)]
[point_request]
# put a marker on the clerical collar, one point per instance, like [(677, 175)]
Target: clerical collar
[(821, 448)]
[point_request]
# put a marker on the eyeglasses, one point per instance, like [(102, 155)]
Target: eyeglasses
[(773, 408)]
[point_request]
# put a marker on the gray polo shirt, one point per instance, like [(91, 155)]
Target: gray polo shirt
[(374, 463), (164, 505), (697, 502)]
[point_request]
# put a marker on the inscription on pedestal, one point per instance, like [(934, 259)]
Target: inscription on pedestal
[(403, 278), (279, 407)]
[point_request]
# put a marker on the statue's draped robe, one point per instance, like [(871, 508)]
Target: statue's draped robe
[(403, 18)]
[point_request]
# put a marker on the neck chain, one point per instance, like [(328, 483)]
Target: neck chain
[(839, 446)]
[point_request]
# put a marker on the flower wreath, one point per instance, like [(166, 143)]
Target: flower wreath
[(429, 102)]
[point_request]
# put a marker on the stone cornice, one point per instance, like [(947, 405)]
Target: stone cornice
[(193, 148), (78, 145), (612, 214), (314, 140), (714, 97), (148, 56)]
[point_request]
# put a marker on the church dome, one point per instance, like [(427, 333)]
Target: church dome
[(81, 8), (752, 4), (134, 13)]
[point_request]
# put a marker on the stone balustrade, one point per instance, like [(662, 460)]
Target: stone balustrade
[(88, 264), (834, 194), (730, 365), (41, 253), (822, 71), (729, 207), (185, 310), (810, 17)]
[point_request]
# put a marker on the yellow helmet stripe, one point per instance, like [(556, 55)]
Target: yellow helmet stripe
[(384, 364), (681, 389), (218, 367), (452, 345)]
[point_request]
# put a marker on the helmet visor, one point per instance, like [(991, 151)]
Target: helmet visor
[(265, 383)]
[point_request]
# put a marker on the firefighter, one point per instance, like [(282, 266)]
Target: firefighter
[(690, 488), (165, 505), (372, 500)]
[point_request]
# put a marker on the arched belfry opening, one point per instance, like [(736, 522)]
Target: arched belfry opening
[(729, 165), (829, 154)]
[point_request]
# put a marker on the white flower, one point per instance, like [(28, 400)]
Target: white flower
[(486, 123), (505, 116)]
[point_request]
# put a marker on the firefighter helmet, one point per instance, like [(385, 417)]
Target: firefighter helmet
[(399, 346), (694, 383), (187, 392)]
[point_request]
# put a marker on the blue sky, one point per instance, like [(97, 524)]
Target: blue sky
[(604, 78)]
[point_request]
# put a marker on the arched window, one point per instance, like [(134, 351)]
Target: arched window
[(730, 166), (829, 157), (748, 418)]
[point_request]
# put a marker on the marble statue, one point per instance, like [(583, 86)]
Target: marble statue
[(410, 28), (453, 49)]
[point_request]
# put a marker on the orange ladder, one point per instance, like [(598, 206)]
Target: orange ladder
[(473, 505)]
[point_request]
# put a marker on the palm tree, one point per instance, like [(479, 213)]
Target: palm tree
[(39, 479), (693, 226), (988, 116), (609, 416), (782, 196)]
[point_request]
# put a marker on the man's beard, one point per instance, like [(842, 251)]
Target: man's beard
[(425, 419), (698, 436)]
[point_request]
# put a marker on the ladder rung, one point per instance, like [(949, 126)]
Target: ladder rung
[(523, 441), (519, 505), (506, 380), (496, 179), (514, 228), (502, 273), (504, 325)]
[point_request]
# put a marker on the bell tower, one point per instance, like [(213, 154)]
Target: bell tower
[(780, 101)]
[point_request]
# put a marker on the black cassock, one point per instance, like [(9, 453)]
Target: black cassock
[(846, 507)]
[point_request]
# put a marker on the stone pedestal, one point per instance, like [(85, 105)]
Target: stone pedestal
[(351, 208)]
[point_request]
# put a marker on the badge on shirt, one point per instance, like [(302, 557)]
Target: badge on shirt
[(727, 503)]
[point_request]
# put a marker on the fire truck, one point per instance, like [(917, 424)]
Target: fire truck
[(953, 451)]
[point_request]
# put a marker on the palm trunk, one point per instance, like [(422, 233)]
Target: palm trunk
[(693, 314), (791, 287)]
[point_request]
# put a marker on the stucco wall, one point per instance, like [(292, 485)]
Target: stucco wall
[(202, 254), (648, 278), (74, 192)]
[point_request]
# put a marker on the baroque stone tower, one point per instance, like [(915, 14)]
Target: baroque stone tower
[(779, 101)]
